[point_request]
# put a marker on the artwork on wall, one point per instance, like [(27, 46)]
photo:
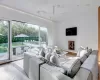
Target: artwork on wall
[(71, 45)]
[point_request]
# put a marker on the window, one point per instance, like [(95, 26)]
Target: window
[(43, 36), (24, 38), (4, 29)]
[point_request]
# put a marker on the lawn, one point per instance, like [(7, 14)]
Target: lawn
[(4, 46)]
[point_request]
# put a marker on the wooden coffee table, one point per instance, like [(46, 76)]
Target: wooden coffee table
[(71, 53)]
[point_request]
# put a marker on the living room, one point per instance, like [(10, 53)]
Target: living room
[(53, 18)]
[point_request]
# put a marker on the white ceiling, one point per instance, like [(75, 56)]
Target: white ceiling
[(44, 8)]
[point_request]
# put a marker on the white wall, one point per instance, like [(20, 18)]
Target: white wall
[(86, 20), (9, 14)]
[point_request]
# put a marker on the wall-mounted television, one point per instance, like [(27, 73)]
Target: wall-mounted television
[(71, 31)]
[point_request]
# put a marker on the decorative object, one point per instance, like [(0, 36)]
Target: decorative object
[(71, 45), (71, 31)]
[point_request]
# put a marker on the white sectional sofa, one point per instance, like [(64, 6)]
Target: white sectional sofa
[(88, 71), (37, 69)]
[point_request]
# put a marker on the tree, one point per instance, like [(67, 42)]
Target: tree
[(4, 28), (22, 28)]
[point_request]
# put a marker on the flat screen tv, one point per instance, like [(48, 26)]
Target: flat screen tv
[(71, 31)]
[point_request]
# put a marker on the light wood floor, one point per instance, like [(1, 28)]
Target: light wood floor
[(11, 72), (14, 71)]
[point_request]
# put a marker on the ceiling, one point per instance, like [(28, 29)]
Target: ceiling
[(52, 10)]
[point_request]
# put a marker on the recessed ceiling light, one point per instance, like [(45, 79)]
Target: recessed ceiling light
[(77, 5), (87, 4)]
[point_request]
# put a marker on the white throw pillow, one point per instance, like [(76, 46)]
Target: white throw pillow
[(83, 52), (83, 58), (47, 56), (49, 49), (34, 51), (54, 53), (80, 49), (89, 52), (54, 59), (42, 53)]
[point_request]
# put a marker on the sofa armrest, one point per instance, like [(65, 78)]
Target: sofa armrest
[(27, 56), (83, 74), (47, 73), (26, 63), (34, 68)]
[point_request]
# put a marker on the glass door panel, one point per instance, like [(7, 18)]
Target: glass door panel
[(24, 38), (43, 36), (33, 35), (4, 30)]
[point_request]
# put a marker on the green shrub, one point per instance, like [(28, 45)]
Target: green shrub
[(4, 39)]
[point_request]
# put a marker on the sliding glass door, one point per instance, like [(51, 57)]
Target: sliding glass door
[(4, 47), (24, 37), (43, 36), (16, 38)]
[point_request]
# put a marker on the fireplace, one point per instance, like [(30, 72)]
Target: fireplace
[(71, 45)]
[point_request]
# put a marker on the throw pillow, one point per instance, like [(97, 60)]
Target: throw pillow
[(83, 52), (47, 56), (89, 52), (42, 53), (54, 59), (74, 68), (80, 49), (83, 58)]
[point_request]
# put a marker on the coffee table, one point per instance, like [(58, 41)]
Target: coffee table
[(71, 53)]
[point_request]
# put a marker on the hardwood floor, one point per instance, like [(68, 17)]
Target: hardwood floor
[(14, 71), (10, 72)]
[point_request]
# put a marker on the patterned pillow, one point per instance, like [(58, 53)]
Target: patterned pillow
[(54, 59)]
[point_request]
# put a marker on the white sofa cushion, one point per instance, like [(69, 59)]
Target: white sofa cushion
[(53, 68)]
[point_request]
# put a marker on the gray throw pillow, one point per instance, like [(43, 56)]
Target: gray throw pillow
[(74, 69), (58, 51), (42, 53)]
